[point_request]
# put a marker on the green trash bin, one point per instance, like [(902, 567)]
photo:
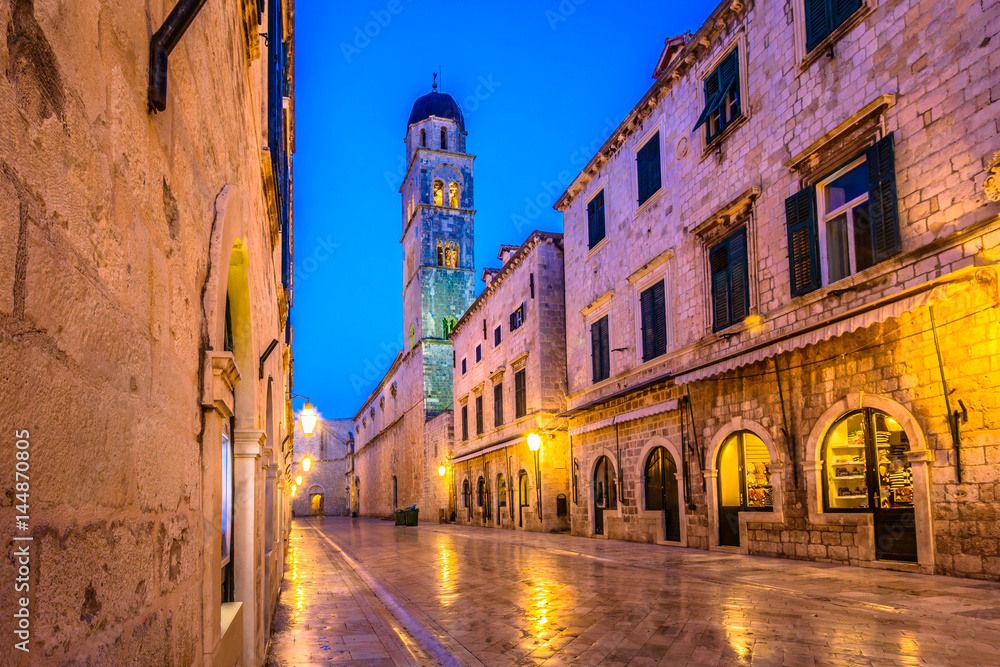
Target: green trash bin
[(411, 516), (401, 517)]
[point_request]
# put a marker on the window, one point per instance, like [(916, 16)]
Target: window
[(444, 139), (722, 97), (517, 318), (479, 415), (520, 395), (465, 422), (479, 353), (453, 194), (654, 321), (480, 492), (466, 493), (730, 282), (647, 162), (524, 497), (745, 473), (595, 219), (824, 16), (412, 332), (439, 193), (600, 352), (423, 137), (227, 499), (440, 255), (498, 404), (463, 367), (501, 491), (865, 464), (496, 336), (846, 223)]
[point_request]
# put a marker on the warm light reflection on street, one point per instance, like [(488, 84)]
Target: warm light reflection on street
[(447, 563)]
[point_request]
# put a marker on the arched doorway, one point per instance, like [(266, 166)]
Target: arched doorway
[(316, 504), (467, 499), (523, 497), (501, 496), (866, 470), (744, 483), (660, 491), (481, 500), (605, 492)]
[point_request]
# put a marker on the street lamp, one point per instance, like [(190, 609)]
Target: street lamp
[(308, 417), (293, 489), (442, 470), (298, 480), (306, 463), (534, 444)]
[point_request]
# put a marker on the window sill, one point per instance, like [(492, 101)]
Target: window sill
[(715, 144), (653, 198), (824, 46), (593, 251)]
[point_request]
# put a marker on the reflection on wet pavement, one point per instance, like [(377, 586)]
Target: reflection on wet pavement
[(499, 597)]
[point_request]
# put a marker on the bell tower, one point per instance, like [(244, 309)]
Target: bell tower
[(438, 272)]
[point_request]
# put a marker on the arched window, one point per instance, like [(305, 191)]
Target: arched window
[(423, 137), (660, 487), (454, 255), (744, 482), (453, 194), (480, 492), (440, 254), (444, 139), (447, 254), (865, 464), (439, 193), (501, 491)]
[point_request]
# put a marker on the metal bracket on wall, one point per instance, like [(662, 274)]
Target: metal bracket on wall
[(162, 43), (953, 417), (263, 357)]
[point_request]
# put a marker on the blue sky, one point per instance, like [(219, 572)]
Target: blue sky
[(541, 84)]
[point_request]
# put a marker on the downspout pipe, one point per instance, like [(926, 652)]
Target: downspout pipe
[(162, 43)]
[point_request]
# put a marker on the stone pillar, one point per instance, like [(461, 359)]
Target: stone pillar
[(247, 446)]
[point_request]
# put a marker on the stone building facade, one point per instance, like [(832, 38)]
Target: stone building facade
[(782, 331), (144, 327), (510, 381), (325, 487), (404, 425)]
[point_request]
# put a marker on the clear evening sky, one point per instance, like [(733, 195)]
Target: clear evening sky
[(541, 85)]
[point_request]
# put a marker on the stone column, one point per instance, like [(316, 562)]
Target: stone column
[(247, 445)]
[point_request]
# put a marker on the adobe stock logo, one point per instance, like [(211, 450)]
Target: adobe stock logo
[(363, 35)]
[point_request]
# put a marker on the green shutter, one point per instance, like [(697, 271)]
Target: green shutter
[(595, 351), (842, 10), (819, 21), (803, 256), (648, 331), (718, 259), (719, 82), (882, 199), (659, 320), (648, 168), (595, 219), (739, 287)]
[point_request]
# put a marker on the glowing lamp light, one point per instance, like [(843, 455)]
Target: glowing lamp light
[(442, 470), (306, 463), (534, 441), (298, 480), (293, 489), (308, 418)]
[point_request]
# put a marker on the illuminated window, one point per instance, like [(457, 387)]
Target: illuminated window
[(501, 491), (453, 194), (439, 193), (447, 254)]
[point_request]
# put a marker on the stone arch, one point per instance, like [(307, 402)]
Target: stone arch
[(448, 172), (920, 456), (640, 486), (591, 498), (711, 473)]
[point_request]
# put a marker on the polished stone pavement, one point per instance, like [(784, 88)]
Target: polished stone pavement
[(365, 592)]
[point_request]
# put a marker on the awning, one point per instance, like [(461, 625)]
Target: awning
[(489, 448), (956, 291), (626, 416)]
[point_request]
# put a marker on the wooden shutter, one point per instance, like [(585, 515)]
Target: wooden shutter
[(465, 422), (819, 21), (498, 404), (659, 320), (842, 10), (803, 256), (595, 219), (479, 414), (739, 288), (718, 259), (882, 199), (648, 332), (595, 351), (648, 168)]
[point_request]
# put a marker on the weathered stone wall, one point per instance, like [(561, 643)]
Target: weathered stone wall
[(327, 449), (106, 212), (919, 70)]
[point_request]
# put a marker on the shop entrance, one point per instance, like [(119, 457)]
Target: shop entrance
[(605, 495), (522, 497), (866, 470), (744, 483), (661, 491)]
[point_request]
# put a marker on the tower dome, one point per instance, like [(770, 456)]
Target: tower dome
[(436, 104)]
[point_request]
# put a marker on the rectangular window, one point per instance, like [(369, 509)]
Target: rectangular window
[(600, 353), (730, 281), (520, 395), (227, 498), (653, 307), (497, 336), (647, 163), (479, 353), (824, 16), (498, 404), (517, 318), (595, 219), (722, 97), (465, 422), (479, 415), (845, 224), (463, 366)]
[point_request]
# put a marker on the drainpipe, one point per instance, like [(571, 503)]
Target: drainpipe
[(162, 43)]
